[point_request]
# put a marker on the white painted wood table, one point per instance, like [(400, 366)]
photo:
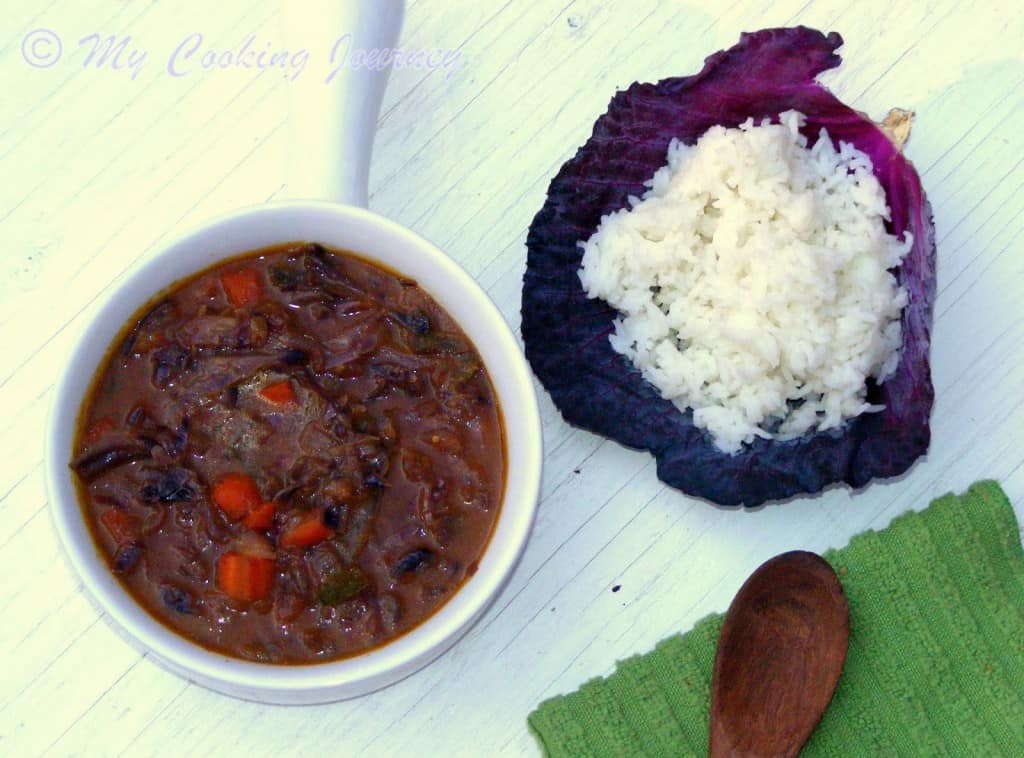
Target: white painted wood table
[(99, 164)]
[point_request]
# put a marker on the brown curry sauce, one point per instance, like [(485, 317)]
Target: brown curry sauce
[(293, 456)]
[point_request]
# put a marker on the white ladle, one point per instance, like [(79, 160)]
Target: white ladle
[(333, 129)]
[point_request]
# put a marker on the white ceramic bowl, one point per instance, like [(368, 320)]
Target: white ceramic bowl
[(375, 238)]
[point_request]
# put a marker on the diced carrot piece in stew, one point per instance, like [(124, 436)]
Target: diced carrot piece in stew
[(279, 393), (236, 495), (245, 577), (242, 287), (99, 429), (306, 533), (261, 517), (119, 525)]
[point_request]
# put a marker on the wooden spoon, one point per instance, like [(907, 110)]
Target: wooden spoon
[(780, 655)]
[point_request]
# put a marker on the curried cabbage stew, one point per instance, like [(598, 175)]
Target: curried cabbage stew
[(292, 457)]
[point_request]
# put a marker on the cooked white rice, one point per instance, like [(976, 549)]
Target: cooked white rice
[(752, 281)]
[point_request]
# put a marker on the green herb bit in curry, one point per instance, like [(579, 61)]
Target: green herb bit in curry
[(343, 585), (435, 343), (285, 279)]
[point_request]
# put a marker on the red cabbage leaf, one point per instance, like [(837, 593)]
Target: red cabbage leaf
[(566, 334)]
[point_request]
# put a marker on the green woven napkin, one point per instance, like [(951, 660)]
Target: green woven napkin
[(935, 664)]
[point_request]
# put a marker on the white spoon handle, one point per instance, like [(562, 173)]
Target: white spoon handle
[(336, 100)]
